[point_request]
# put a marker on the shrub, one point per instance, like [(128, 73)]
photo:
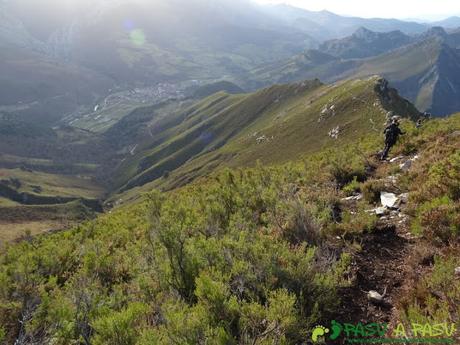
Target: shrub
[(271, 323), (120, 328), (371, 190), (354, 223), (301, 225), (2, 334), (409, 148), (435, 299), (437, 175), (438, 220), (352, 187), (345, 167)]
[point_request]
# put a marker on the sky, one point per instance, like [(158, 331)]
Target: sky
[(402, 9)]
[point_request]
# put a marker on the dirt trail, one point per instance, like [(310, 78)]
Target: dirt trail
[(383, 265)]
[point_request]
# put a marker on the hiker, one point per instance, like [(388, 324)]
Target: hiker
[(392, 133)]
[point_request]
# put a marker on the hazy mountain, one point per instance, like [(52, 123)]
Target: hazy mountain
[(365, 43), (152, 41), (41, 89), (450, 38), (13, 31), (451, 22), (426, 72), (80, 50), (163, 41), (64, 62), (325, 25)]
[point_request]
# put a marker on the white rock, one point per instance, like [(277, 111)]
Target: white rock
[(375, 297), (457, 271), (392, 179), (396, 159), (388, 199), (261, 139), (334, 133), (381, 211), (404, 197), (406, 165), (353, 197)]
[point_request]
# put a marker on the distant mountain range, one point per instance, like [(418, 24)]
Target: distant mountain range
[(59, 63), (125, 44), (325, 25), (451, 22), (365, 43), (425, 68)]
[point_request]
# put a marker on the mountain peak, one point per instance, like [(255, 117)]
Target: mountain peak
[(436, 31), (451, 22), (364, 33)]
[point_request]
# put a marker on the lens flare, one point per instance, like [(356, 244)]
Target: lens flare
[(128, 24), (137, 37)]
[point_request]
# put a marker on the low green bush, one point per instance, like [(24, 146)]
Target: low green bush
[(371, 190), (438, 220), (352, 187)]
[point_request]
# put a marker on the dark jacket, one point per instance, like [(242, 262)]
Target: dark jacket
[(392, 133)]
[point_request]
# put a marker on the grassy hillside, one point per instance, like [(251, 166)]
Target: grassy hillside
[(50, 184), (273, 125), (251, 256), (175, 142), (50, 179), (19, 222), (35, 202)]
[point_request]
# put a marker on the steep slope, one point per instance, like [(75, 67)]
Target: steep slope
[(259, 255), (209, 89), (273, 125), (426, 72), (205, 127), (451, 38)]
